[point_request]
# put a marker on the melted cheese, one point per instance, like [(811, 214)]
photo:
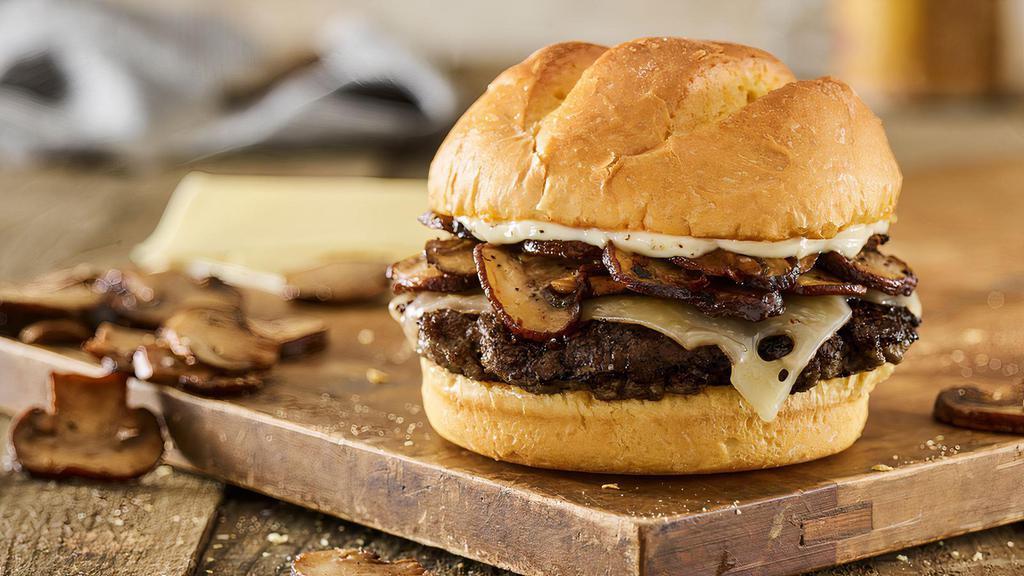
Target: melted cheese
[(847, 242), (765, 385), (408, 308), (912, 302)]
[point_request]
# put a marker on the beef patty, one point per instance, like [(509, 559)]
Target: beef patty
[(621, 361)]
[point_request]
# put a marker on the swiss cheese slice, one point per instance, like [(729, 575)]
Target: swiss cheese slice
[(263, 227)]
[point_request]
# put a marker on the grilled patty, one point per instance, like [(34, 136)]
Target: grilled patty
[(622, 361)]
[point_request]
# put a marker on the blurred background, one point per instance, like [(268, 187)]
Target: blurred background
[(106, 104), (187, 79)]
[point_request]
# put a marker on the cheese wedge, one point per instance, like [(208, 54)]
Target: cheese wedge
[(257, 229)]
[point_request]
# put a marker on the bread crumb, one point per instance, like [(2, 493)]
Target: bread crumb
[(902, 558), (882, 468), (611, 486), (275, 538), (366, 337), (954, 554), (1010, 544), (978, 556), (375, 376)]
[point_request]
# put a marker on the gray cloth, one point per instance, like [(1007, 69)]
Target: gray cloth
[(78, 76)]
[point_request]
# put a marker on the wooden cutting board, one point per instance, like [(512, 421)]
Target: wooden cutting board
[(322, 436)]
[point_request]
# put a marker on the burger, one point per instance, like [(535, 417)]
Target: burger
[(663, 257)]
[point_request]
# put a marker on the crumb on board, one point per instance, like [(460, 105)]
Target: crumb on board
[(902, 558), (882, 468), (611, 486), (275, 538), (978, 556), (375, 376), (366, 336)]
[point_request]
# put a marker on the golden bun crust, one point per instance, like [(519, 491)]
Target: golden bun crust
[(671, 136), (714, 431)]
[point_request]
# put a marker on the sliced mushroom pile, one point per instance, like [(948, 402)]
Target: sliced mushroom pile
[(293, 335), (166, 328), (66, 294), (873, 269), (89, 431), (116, 345), (536, 286), (149, 300), (763, 273), (518, 285), (156, 363), (417, 273)]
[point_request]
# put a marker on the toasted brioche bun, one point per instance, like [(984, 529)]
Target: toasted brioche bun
[(713, 431), (670, 136)]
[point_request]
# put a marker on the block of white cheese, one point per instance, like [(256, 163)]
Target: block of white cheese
[(255, 230)]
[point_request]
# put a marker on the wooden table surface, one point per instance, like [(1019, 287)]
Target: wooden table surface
[(175, 523)]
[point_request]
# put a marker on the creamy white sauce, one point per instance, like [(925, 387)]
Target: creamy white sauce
[(809, 321), (847, 242)]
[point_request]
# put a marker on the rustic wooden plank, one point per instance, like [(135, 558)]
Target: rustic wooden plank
[(257, 536), (155, 526), (241, 544)]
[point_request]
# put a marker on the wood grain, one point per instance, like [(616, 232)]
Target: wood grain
[(154, 526), (322, 436)]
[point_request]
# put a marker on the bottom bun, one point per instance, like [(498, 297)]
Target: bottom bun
[(713, 431)]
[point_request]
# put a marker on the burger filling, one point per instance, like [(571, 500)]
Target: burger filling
[(617, 361), (551, 316)]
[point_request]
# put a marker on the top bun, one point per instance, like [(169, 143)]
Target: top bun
[(671, 136)]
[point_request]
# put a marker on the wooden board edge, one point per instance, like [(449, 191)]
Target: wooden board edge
[(953, 497), (846, 520)]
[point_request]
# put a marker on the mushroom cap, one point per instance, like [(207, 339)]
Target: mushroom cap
[(220, 339), (89, 431)]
